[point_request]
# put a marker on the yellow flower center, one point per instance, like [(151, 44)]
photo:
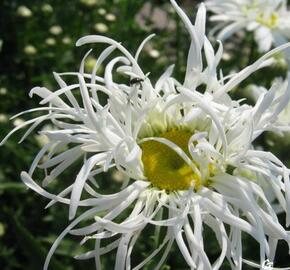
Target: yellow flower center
[(163, 167), (270, 22)]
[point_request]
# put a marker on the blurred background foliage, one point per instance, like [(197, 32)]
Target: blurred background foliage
[(38, 37)]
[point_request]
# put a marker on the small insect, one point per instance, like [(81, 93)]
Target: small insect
[(137, 81)]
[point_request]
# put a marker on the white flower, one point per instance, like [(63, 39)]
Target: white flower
[(118, 176), (50, 41), (47, 8), (18, 122), (90, 3), (3, 118), (187, 155), (30, 50), (101, 27), (55, 30), (102, 11), (41, 138), (24, 11), (2, 229), (268, 19), (226, 56), (154, 53), (66, 40), (110, 17), (3, 91)]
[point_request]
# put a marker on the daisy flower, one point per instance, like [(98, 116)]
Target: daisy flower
[(256, 92), (268, 19), (185, 150)]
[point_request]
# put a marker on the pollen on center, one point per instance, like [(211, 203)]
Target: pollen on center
[(163, 167)]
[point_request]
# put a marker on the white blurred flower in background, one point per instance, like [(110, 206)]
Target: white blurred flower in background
[(24, 12), (102, 11), (30, 50), (3, 118), (268, 19), (50, 41), (154, 53), (101, 27), (66, 40), (3, 91), (110, 17), (41, 138), (18, 122), (55, 30), (47, 8), (90, 3)]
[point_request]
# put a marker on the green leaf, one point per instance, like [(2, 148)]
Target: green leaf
[(11, 186), (31, 247)]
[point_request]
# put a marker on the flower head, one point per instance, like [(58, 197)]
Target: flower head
[(90, 3), (185, 150), (3, 118), (50, 41), (55, 30), (24, 12), (268, 19), (30, 50), (101, 27), (66, 40), (47, 8), (3, 91), (110, 17)]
